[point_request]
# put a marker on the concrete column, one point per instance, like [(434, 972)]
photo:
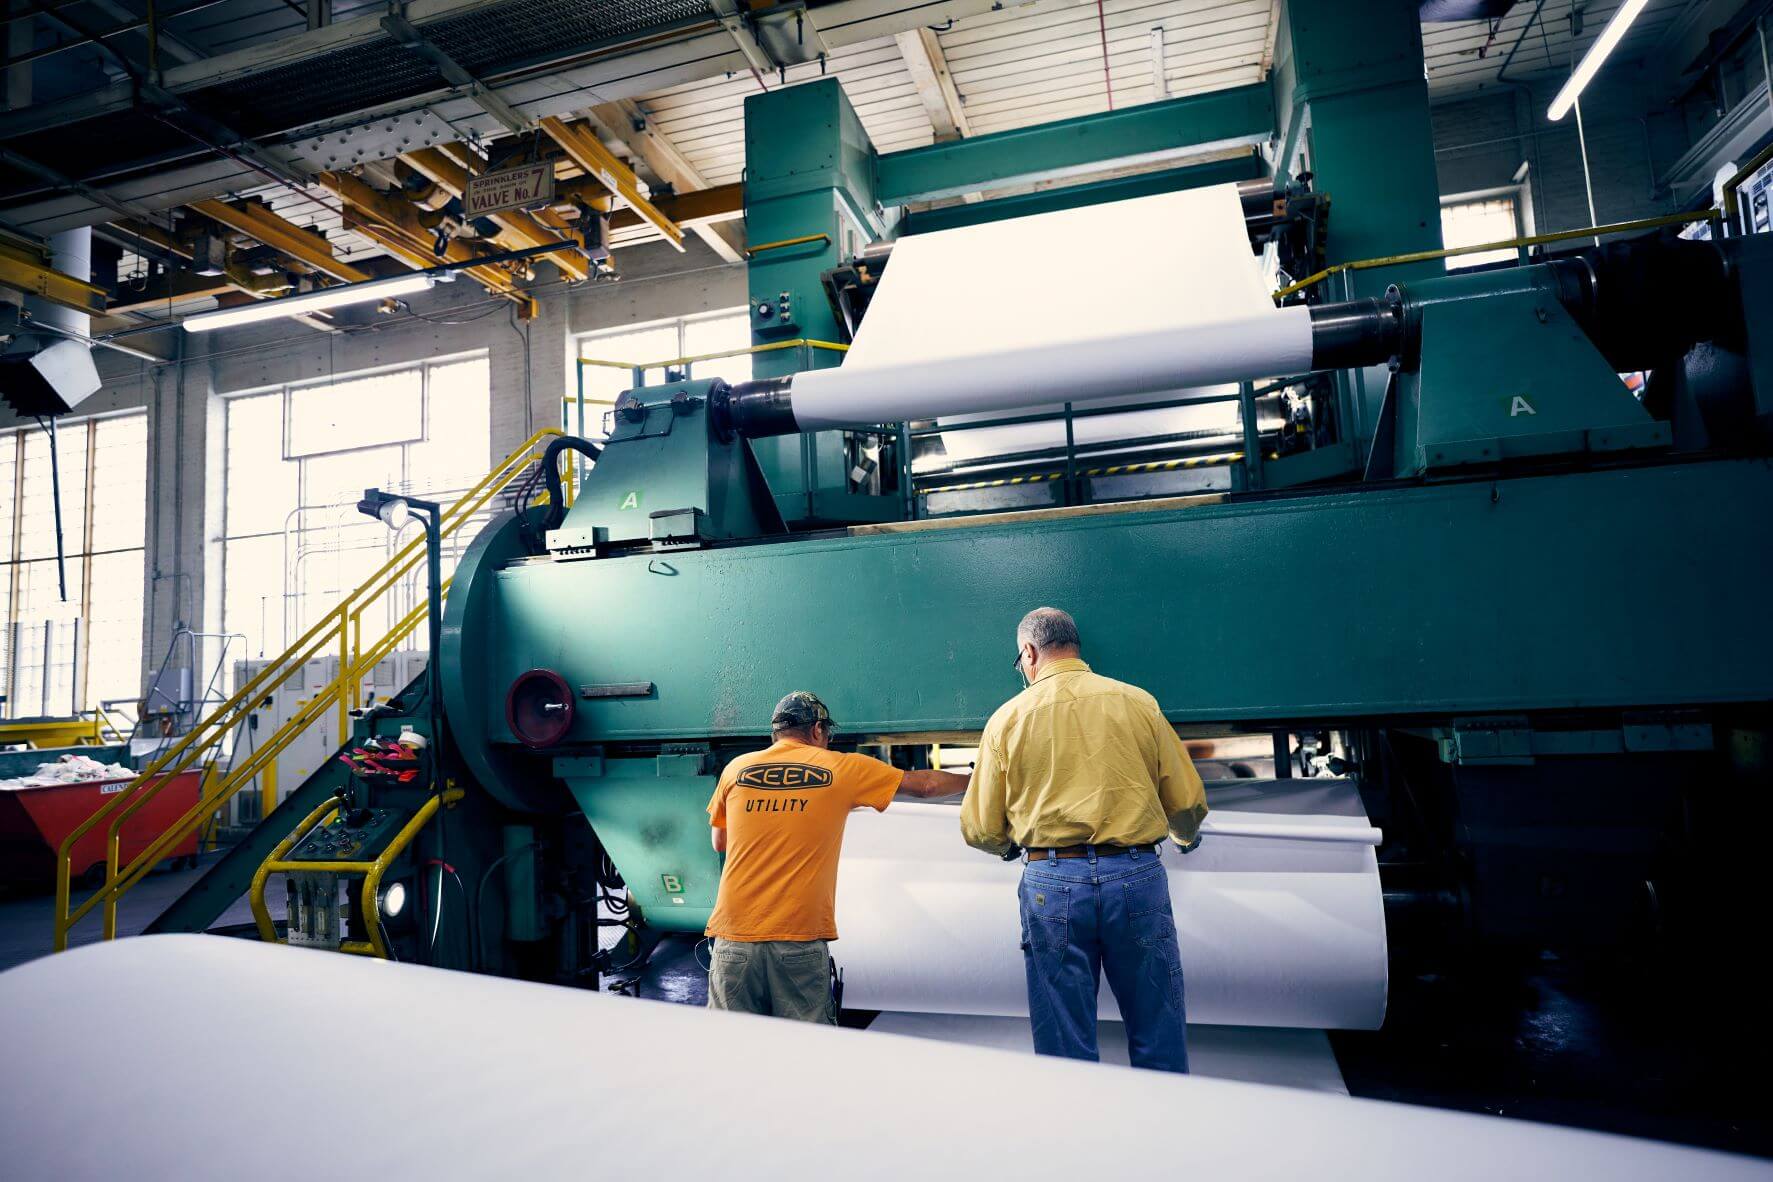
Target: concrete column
[(185, 457), (530, 373)]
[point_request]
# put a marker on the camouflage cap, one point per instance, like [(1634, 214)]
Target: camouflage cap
[(799, 709)]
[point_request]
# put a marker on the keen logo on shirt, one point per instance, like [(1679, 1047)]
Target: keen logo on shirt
[(785, 775)]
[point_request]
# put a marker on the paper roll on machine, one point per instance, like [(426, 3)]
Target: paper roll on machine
[(1452, 554)]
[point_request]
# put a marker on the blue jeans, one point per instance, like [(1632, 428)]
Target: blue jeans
[(1083, 915)]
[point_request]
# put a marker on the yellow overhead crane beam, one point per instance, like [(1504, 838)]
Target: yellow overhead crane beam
[(722, 203), (585, 150), (452, 171), (259, 223), (29, 271), (395, 225), (550, 216)]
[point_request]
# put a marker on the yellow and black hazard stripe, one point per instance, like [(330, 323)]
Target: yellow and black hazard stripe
[(1230, 457), (1030, 478)]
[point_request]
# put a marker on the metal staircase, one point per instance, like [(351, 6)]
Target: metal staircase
[(340, 631)]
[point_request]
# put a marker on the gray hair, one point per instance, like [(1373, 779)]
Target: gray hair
[(1047, 628)]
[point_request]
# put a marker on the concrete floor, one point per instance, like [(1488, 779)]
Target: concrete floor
[(1674, 1048), (27, 926)]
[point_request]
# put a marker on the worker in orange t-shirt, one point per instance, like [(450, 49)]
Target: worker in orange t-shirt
[(778, 815)]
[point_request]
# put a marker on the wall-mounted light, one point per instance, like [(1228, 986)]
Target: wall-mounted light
[(1591, 61)]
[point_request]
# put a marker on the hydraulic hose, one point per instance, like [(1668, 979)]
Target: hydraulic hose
[(551, 472)]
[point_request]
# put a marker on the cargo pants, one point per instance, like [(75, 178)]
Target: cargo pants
[(786, 978)]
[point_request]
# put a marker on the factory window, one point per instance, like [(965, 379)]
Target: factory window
[(660, 340), (1476, 219), (299, 457), (59, 656)]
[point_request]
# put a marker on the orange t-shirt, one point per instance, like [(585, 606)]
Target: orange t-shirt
[(783, 810)]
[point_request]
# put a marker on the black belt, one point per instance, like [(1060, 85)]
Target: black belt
[(1085, 851)]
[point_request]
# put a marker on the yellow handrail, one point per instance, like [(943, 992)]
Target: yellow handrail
[(796, 343), (785, 243), (342, 625), (1423, 256), (261, 914), (372, 871)]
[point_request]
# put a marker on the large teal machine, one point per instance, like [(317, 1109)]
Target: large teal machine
[(1528, 604)]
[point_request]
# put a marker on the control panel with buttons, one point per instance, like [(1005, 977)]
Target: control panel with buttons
[(354, 835), (773, 312)]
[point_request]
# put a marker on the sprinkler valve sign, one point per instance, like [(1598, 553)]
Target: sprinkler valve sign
[(514, 188)]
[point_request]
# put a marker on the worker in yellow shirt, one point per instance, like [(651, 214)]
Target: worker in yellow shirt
[(1084, 776), (778, 815)]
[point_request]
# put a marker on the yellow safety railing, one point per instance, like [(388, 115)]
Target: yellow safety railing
[(341, 631), (773, 346), (372, 871), (1424, 256)]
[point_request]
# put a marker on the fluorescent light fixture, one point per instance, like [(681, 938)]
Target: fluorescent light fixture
[(314, 301), (1591, 61)]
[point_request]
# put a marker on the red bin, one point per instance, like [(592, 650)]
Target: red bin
[(35, 821)]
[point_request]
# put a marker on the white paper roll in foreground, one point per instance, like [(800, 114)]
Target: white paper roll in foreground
[(178, 1057), (1284, 930), (1129, 297)]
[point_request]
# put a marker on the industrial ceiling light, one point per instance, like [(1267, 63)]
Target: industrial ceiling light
[(1591, 61), (315, 301)]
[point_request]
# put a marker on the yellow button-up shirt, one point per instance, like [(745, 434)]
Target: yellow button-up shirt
[(1079, 759)]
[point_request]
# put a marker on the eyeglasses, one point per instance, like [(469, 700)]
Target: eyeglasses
[(1017, 663)]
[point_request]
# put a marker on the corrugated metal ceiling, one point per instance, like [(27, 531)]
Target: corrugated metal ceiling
[(1041, 61), (706, 120), (1020, 66)]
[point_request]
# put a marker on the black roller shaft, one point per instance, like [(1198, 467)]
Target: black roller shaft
[(1355, 334), (759, 408), (1343, 336)]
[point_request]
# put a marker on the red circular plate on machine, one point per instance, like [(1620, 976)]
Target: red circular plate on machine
[(539, 708)]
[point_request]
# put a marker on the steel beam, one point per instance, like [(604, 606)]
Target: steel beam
[(452, 171), (585, 150), (29, 272), (722, 203), (129, 24), (1152, 132), (395, 225), (935, 85), (258, 222), (402, 31), (141, 236), (1194, 176), (684, 55), (170, 287), (628, 123)]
